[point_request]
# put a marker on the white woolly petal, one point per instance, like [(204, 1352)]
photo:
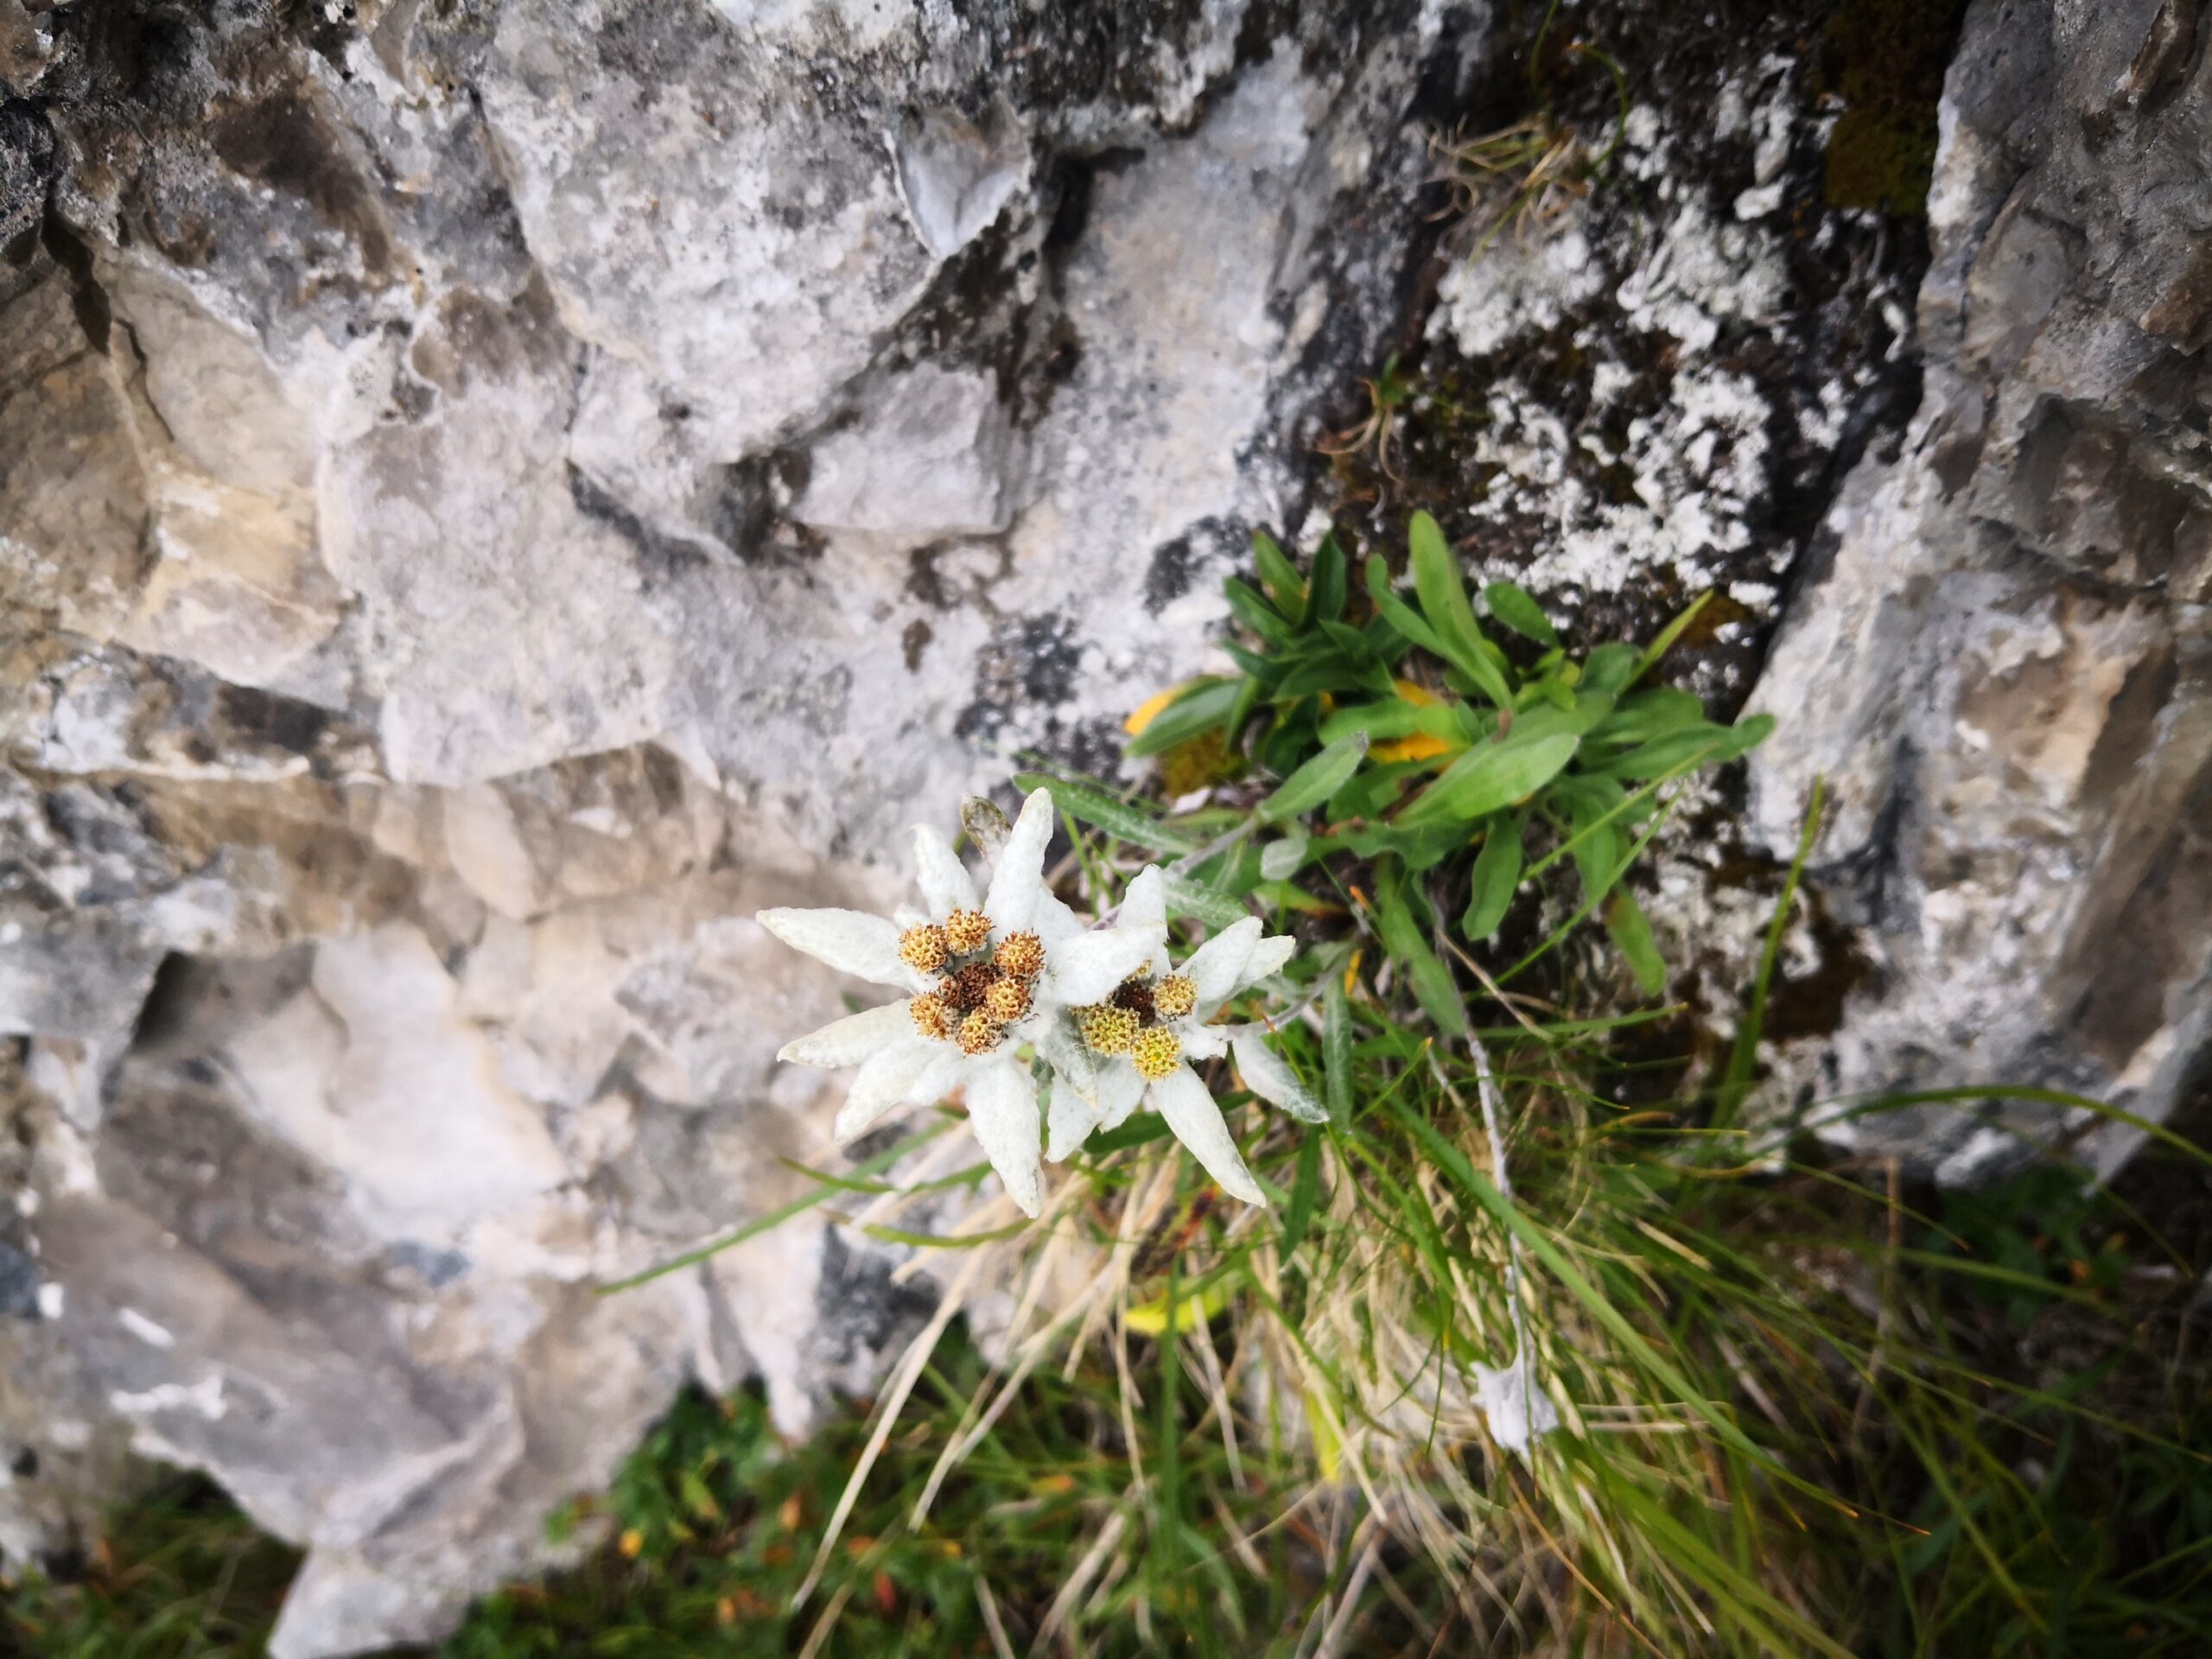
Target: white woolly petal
[(1267, 959), (1068, 1124), (1190, 1111), (1119, 1089), (1268, 1075), (1214, 966), (945, 882), (1518, 1410), (1054, 921), (882, 1084), (939, 1078), (1017, 877), (1088, 966), (1073, 1064), (1145, 905), (1002, 1110), (849, 1041), (1202, 1042), (850, 941)]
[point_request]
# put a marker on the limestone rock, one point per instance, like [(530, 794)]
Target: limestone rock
[(492, 496), (2001, 664)]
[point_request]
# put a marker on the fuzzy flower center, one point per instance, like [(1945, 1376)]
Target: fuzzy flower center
[(1131, 1022), (1155, 1052), (983, 990)]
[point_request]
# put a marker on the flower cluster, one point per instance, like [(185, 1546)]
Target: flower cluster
[(1111, 1022)]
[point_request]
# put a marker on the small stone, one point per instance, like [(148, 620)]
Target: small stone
[(923, 949), (1156, 1052), (1174, 997), (967, 931)]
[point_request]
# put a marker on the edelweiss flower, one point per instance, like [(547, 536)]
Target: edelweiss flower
[(983, 979), (1134, 1045)]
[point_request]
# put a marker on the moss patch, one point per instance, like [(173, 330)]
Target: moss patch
[(1887, 61)]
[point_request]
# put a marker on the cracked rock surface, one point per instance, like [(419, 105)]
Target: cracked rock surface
[(1999, 654), (494, 492), (491, 495)]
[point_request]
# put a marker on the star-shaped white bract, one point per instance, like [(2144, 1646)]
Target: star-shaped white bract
[(1099, 1092), (901, 1066)]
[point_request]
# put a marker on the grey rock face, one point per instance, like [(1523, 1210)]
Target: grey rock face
[(490, 496), (2000, 661)]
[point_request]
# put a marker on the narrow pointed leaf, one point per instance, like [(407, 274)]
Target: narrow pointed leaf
[(1487, 779), (1497, 875), (1280, 577), (1515, 608), (1443, 603), (1317, 780)]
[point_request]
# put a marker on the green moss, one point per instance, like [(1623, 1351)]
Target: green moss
[(1887, 59)]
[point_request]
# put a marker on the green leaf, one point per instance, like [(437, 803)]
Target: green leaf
[(1699, 746), (1400, 616), (1451, 618), (1497, 875), (1642, 715), (1304, 1194), (1323, 671), (1557, 693), (1336, 1049), (1592, 806), (1279, 576), (1245, 605), (1249, 692), (1198, 711), (799, 1206), (1632, 931), (1610, 668), (1209, 905), (1373, 790), (1487, 779), (1104, 811), (1384, 721), (1265, 672), (1515, 609), (1585, 711), (1280, 859), (941, 1240), (1355, 644), (1665, 642), (1326, 600), (1317, 780), (1432, 980)]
